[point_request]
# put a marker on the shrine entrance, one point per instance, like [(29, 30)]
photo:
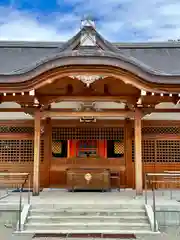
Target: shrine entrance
[(98, 148)]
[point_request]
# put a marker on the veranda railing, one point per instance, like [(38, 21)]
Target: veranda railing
[(17, 181), (152, 179)]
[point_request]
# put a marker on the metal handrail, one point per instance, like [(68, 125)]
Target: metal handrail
[(149, 179), (25, 177)]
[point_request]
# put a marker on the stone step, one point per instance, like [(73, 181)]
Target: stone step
[(89, 206), (87, 226), (89, 238), (86, 231), (88, 212), (86, 219), (84, 238)]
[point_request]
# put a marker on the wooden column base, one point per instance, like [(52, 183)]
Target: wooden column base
[(139, 192), (35, 194)]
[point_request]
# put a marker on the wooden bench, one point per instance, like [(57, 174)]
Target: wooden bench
[(13, 180)]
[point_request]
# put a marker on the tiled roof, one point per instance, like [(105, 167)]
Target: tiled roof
[(158, 58)]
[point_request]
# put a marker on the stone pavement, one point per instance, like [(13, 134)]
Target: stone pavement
[(62, 196), (8, 220), (170, 233)]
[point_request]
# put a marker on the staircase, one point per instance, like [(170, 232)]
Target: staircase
[(87, 219)]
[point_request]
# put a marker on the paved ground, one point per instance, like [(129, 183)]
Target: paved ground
[(167, 234), (8, 220), (63, 196)]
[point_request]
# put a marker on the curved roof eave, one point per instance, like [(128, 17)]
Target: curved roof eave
[(90, 58)]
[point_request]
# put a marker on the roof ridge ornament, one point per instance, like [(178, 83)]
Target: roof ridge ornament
[(88, 35), (88, 22)]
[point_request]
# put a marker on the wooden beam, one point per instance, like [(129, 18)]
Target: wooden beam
[(145, 110), (138, 152), (56, 98), (77, 123), (13, 109), (109, 113), (67, 110), (166, 110), (156, 99), (17, 98), (37, 135)]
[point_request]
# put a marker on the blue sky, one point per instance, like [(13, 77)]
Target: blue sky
[(116, 20)]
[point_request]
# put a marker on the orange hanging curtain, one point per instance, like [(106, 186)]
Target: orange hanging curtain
[(102, 148)]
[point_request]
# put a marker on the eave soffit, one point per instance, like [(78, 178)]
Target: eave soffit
[(87, 59)]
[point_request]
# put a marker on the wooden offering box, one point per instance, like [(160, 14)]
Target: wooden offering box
[(88, 179)]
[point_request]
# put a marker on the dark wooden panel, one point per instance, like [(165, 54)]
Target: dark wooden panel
[(60, 165), (88, 179)]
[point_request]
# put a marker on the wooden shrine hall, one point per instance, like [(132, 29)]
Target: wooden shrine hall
[(88, 113)]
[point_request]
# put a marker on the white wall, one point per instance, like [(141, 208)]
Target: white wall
[(13, 115), (164, 116)]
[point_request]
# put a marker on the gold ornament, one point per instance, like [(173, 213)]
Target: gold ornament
[(88, 177)]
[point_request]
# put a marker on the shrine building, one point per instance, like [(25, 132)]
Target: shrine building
[(89, 107)]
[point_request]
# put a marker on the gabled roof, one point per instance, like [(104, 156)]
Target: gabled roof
[(17, 57), (158, 59), (101, 43)]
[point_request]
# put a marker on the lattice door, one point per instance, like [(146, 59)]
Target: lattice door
[(168, 151), (19, 150)]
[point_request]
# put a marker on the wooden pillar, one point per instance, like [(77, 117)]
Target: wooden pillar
[(47, 149), (37, 136), (138, 152), (128, 152)]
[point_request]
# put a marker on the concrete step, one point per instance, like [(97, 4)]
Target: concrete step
[(86, 231), (87, 219), (82, 238), (89, 206), (87, 226), (87, 212), (49, 237)]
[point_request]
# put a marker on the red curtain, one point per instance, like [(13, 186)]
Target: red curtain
[(102, 148), (72, 146)]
